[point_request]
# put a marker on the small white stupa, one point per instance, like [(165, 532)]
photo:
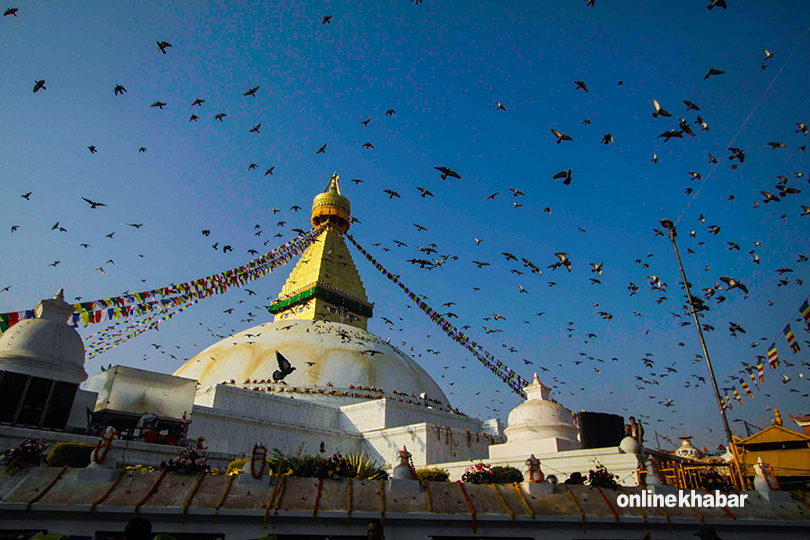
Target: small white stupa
[(537, 426), (45, 346)]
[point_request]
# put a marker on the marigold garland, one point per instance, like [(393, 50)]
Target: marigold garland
[(503, 502), (317, 498), (151, 490), (194, 489), (469, 504), (47, 488), (280, 494), (429, 501), (640, 511), (579, 508), (612, 509), (522, 498), (225, 493), (106, 448), (382, 498), (109, 490), (267, 508)]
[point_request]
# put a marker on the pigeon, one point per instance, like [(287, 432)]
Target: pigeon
[(158, 104), (775, 144), (566, 175), (198, 102), (671, 133), (717, 3), (658, 110), (737, 153), (582, 85), (702, 123), (321, 150), (560, 136), (39, 85), (802, 129), (220, 116), (11, 11), (256, 128), (690, 106), (500, 106), (365, 122), (119, 89), (193, 118), (654, 158), (713, 71), (367, 145), (92, 204), (251, 92), (390, 112), (27, 196), (284, 368), (327, 20), (607, 139), (734, 284), (447, 172), (162, 45)]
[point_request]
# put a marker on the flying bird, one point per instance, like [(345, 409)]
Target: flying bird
[(447, 172), (251, 92), (734, 284), (119, 89), (717, 3), (713, 71), (564, 174), (659, 111), (158, 104), (92, 204), (284, 368), (327, 20), (256, 128), (11, 11), (500, 106), (39, 85), (269, 171), (560, 136), (27, 196), (220, 116), (607, 139), (582, 85), (198, 102), (163, 45), (367, 145), (321, 150), (365, 122), (424, 192)]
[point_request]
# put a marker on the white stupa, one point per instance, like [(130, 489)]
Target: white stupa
[(537, 426)]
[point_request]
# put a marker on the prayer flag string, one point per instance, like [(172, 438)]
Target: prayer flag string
[(506, 374)]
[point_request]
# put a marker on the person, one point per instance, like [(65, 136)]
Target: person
[(575, 479), (707, 533), (636, 431), (375, 530), (138, 528)]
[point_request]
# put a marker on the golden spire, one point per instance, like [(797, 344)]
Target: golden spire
[(332, 207), (325, 284)]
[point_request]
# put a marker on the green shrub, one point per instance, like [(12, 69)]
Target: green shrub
[(433, 475), (299, 465), (365, 468), (506, 475), (70, 454)]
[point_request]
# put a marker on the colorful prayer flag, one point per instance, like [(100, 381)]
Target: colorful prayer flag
[(736, 395), (773, 357), (746, 388), (791, 339), (805, 309), (761, 371)]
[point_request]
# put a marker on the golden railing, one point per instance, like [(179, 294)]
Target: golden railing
[(691, 475)]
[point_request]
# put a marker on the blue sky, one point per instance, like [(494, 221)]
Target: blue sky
[(442, 66)]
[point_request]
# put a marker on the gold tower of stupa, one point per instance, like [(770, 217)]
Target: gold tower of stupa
[(325, 285)]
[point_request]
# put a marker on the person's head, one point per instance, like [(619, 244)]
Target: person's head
[(375, 530), (633, 420), (576, 477), (707, 533), (138, 528)]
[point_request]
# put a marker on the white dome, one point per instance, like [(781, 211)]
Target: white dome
[(328, 357), (45, 346), (540, 418)]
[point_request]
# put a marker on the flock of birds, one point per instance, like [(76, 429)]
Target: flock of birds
[(528, 266)]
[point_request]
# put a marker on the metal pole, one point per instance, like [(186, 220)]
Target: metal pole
[(670, 226)]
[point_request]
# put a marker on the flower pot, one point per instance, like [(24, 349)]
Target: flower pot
[(151, 436)]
